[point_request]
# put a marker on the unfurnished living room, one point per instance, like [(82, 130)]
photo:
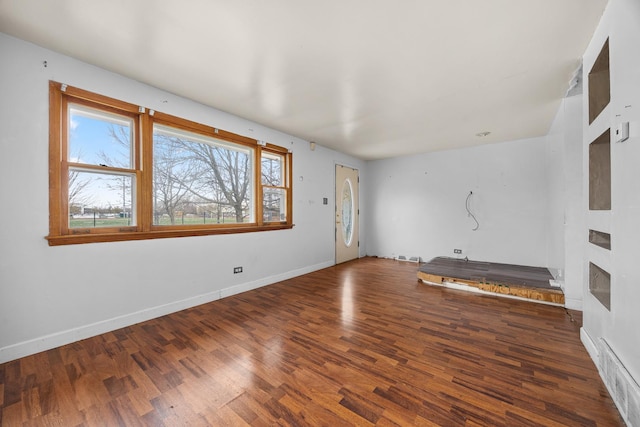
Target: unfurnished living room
[(343, 213)]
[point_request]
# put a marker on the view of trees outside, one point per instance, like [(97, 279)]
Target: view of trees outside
[(87, 188), (200, 180), (196, 179), (78, 196), (96, 198), (273, 198)]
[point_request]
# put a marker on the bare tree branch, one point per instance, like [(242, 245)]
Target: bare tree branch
[(77, 186)]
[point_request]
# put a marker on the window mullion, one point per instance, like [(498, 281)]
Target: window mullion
[(258, 185), (64, 170), (144, 143), (289, 186), (99, 168)]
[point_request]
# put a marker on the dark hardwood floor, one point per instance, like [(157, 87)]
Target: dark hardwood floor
[(363, 343)]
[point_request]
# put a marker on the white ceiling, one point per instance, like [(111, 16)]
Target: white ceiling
[(371, 78)]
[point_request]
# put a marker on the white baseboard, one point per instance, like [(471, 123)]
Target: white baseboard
[(244, 287), (47, 342), (591, 346)]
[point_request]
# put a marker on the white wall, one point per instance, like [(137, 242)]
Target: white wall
[(556, 192), (54, 295), (567, 219), (417, 203), (619, 326)]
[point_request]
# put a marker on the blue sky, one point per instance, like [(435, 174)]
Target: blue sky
[(88, 137)]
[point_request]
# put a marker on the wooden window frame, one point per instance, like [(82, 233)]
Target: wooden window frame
[(286, 184), (61, 95)]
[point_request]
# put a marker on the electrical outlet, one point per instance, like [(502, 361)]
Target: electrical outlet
[(237, 270), (457, 251)]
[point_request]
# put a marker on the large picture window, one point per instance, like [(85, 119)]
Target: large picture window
[(121, 172), (200, 180)]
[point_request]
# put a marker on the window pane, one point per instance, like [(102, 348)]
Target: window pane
[(99, 138), (200, 180), (274, 205), (272, 170), (100, 200), (347, 213)]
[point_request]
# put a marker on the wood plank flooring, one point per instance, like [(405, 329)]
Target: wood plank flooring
[(362, 343)]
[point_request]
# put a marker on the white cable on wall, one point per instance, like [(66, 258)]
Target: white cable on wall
[(469, 211)]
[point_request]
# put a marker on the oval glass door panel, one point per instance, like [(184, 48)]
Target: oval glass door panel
[(347, 212)]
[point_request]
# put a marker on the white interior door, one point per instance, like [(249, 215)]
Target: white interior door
[(347, 214)]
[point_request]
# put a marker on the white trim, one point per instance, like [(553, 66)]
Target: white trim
[(591, 347), (47, 342), (244, 287)]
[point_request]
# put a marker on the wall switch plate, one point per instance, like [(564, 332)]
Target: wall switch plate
[(622, 133)]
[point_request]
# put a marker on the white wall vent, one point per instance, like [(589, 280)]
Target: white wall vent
[(623, 389), (415, 259)]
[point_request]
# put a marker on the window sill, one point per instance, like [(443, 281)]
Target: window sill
[(77, 239)]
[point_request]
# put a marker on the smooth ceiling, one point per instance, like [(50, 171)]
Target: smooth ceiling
[(371, 78)]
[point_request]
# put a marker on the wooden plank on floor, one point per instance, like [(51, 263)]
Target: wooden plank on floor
[(544, 294)]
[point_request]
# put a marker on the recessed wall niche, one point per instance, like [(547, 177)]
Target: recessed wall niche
[(599, 238), (600, 173), (600, 285), (599, 83)]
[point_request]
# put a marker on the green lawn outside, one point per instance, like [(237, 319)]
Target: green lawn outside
[(125, 222)]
